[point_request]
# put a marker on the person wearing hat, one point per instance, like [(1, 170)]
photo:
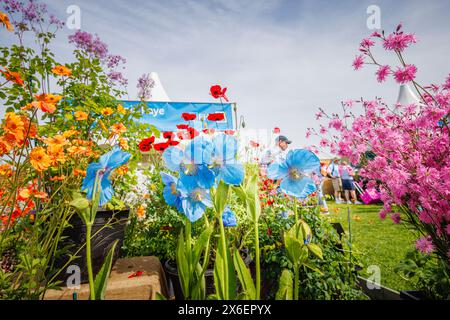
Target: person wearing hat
[(335, 176), (278, 153)]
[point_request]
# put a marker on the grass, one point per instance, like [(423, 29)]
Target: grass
[(376, 242)]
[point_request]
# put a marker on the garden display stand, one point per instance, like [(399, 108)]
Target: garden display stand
[(138, 278)]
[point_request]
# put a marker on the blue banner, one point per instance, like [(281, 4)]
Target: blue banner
[(167, 115)]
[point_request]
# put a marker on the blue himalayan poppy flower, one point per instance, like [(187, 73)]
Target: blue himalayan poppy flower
[(284, 215), (194, 161), (224, 160), (106, 164), (194, 198), (307, 240), (171, 194), (295, 173), (229, 218)]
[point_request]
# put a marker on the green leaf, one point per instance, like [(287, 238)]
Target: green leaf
[(182, 265), (224, 269), (252, 195), (221, 197), (80, 204), (286, 286), (316, 250), (244, 276), (101, 279), (159, 296)]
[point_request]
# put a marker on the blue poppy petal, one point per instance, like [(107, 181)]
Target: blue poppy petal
[(298, 188), (89, 180), (168, 179), (186, 184), (303, 160), (277, 170), (207, 200), (173, 157), (233, 174), (205, 177), (229, 218), (199, 151), (225, 148), (114, 159), (192, 209), (107, 190), (169, 196)]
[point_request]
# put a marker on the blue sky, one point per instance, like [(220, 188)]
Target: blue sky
[(280, 60)]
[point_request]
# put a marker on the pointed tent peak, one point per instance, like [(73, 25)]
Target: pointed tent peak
[(158, 91), (406, 96)]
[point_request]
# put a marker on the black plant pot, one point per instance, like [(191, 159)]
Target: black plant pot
[(101, 242), (170, 268), (412, 295)]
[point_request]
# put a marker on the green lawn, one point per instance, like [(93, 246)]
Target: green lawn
[(375, 241)]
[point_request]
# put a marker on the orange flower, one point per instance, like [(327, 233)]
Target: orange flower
[(14, 126), (12, 76), (48, 98), (39, 159), (107, 112), (5, 21), (5, 170), (58, 178), (56, 157), (77, 150), (6, 145), (62, 71), (32, 128), (69, 133), (123, 144), (55, 144), (122, 170), (118, 128), (140, 212), (44, 106), (81, 116), (40, 194), (24, 194), (79, 172), (121, 109), (102, 125)]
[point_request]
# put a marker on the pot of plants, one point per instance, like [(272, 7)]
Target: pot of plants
[(108, 227), (170, 268)]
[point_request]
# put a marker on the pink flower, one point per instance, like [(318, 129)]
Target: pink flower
[(399, 41), (396, 218), (382, 73), (323, 130), (447, 83), (349, 103), (425, 245), (408, 73), (375, 34), (358, 62), (276, 130), (336, 124), (324, 143), (367, 43)]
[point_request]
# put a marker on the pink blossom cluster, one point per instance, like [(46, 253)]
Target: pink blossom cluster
[(404, 150)]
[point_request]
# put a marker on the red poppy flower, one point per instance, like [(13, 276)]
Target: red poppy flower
[(168, 135), (189, 116), (182, 126), (229, 132), (217, 92), (161, 146), (209, 131), (219, 116), (173, 143), (146, 144), (193, 133), (254, 144), (182, 135), (276, 130)]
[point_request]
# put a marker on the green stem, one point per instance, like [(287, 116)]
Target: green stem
[(257, 262), (89, 261), (296, 281), (225, 257), (295, 210)]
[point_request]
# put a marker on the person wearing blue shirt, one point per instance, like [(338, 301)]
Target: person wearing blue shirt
[(335, 176)]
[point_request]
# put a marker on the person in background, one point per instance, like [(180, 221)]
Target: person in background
[(335, 176), (347, 175), (321, 199), (276, 154)]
